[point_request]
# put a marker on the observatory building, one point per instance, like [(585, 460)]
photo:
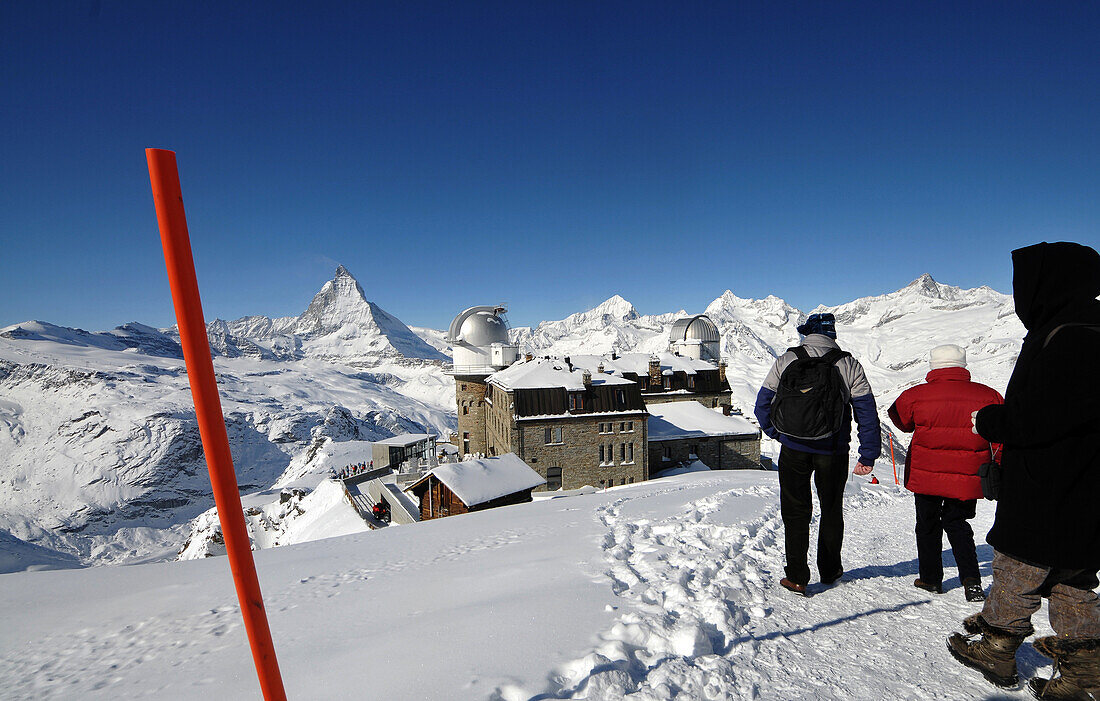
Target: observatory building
[(695, 337), (479, 338)]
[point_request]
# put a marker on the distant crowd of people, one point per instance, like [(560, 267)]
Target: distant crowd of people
[(351, 470)]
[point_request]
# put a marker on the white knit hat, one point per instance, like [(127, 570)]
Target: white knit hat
[(949, 356)]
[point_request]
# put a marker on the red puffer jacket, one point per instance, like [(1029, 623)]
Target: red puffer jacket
[(945, 453)]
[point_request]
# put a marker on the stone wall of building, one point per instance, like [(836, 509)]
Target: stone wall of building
[(578, 453), (710, 400), (715, 452), (470, 398)]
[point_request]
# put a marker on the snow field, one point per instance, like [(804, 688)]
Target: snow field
[(661, 590)]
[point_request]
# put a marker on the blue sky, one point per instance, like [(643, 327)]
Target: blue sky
[(546, 155)]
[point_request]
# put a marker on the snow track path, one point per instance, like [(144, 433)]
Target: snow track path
[(704, 617)]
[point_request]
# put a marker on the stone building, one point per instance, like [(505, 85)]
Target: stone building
[(680, 432), (572, 426), (667, 377)]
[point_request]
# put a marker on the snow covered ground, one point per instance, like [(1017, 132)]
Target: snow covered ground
[(660, 590)]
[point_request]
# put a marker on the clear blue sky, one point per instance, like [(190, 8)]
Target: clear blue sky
[(547, 155)]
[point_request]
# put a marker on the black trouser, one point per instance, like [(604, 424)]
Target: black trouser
[(830, 472), (939, 515)]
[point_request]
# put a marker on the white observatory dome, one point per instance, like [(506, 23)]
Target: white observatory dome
[(695, 337), (479, 340), (483, 329)]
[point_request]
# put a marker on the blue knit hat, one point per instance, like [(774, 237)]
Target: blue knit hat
[(819, 323)]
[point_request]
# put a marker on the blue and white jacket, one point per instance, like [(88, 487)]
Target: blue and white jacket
[(861, 402)]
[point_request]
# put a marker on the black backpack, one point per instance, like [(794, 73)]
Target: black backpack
[(810, 400)]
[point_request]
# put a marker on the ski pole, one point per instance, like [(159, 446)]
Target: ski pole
[(168, 198)]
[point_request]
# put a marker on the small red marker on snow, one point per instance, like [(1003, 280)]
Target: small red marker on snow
[(874, 480)]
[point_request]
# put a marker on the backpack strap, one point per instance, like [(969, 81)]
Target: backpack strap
[(800, 352), (833, 357), (1056, 329)]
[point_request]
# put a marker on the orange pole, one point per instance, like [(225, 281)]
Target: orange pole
[(168, 198), (894, 464)]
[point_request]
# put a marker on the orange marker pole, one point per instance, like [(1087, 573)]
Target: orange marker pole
[(168, 199), (892, 463)]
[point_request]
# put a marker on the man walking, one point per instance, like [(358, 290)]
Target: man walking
[(1046, 534), (807, 402), (941, 468)]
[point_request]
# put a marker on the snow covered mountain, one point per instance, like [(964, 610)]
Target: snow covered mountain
[(102, 457), (339, 324)]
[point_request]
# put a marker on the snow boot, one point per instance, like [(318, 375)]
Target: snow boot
[(994, 654), (833, 578), (972, 588), (934, 588), (787, 584), (1078, 662)]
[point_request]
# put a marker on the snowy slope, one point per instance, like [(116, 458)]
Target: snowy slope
[(661, 590)]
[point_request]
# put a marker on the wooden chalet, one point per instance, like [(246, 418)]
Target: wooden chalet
[(474, 485)]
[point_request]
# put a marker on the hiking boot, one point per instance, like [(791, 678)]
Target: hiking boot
[(834, 578), (993, 654), (934, 588), (1078, 662), (972, 588), (787, 584)]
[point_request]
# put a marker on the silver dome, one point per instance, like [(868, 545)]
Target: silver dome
[(694, 328), (479, 326)]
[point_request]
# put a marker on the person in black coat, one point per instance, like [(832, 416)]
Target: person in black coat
[(1046, 534)]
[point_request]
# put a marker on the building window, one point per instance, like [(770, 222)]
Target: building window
[(691, 381), (630, 427), (630, 453), (668, 382), (622, 452), (552, 435), (463, 388), (601, 454), (694, 449), (643, 383), (465, 409), (668, 453), (553, 478), (465, 442), (621, 394)]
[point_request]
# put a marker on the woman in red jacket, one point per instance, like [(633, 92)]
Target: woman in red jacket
[(942, 465)]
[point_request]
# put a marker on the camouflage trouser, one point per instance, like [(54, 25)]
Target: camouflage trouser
[(1018, 589)]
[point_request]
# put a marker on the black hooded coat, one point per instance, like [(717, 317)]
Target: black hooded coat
[(1048, 512)]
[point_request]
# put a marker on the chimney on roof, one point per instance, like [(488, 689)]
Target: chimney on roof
[(586, 378), (721, 371), (599, 368), (568, 363), (655, 371), (528, 357), (614, 355), (726, 409)]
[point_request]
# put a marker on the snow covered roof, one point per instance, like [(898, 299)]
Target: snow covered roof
[(406, 439), (638, 363), (542, 373), (673, 420), (478, 481)]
